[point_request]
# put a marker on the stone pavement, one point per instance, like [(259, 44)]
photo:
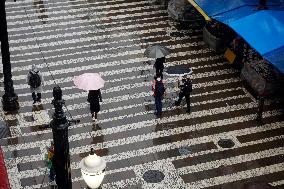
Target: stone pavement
[(68, 38)]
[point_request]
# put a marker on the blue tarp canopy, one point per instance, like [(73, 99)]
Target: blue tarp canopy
[(263, 30)]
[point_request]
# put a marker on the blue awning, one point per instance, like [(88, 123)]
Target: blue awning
[(262, 29)]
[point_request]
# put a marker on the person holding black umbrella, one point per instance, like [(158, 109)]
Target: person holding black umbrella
[(158, 52), (159, 65)]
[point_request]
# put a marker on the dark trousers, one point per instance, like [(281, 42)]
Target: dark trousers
[(158, 104), (260, 108), (187, 98), (36, 97), (51, 174)]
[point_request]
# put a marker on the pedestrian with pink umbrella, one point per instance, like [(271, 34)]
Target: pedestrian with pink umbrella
[(91, 82), (94, 98)]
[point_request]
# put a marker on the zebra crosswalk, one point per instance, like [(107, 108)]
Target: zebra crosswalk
[(67, 38)]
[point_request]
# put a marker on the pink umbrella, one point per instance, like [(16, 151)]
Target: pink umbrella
[(89, 81)]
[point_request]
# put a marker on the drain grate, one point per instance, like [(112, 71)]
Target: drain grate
[(153, 176), (226, 143)]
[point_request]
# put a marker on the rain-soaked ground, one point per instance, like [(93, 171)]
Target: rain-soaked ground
[(68, 38)]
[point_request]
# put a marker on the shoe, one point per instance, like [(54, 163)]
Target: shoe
[(34, 102), (176, 103), (158, 113), (188, 111)]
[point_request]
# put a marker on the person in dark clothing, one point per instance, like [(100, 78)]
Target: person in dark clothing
[(185, 86), (159, 65), (35, 81), (159, 89), (94, 98), (260, 109), (51, 162)]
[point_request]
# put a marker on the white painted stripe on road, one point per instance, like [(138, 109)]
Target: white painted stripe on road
[(29, 124), (99, 15), (199, 75), (83, 26), (110, 100), (237, 176), (76, 22), (58, 3), (168, 146), (128, 97), (98, 52), (87, 39), (277, 183), (129, 61), (150, 122), (230, 161), (53, 11), (82, 33), (69, 79)]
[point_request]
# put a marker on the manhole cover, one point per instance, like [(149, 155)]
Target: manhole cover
[(226, 143), (184, 151), (29, 118), (153, 176)]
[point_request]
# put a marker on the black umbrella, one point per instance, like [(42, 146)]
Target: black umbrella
[(157, 51), (179, 70)]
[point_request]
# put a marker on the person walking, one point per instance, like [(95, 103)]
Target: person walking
[(35, 81), (159, 65), (159, 89), (185, 86), (51, 162), (94, 98)]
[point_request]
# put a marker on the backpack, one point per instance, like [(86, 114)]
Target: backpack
[(34, 80), (187, 87), (159, 89), (50, 157)]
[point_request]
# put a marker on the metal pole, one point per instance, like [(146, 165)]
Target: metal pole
[(59, 126), (260, 108), (10, 98)]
